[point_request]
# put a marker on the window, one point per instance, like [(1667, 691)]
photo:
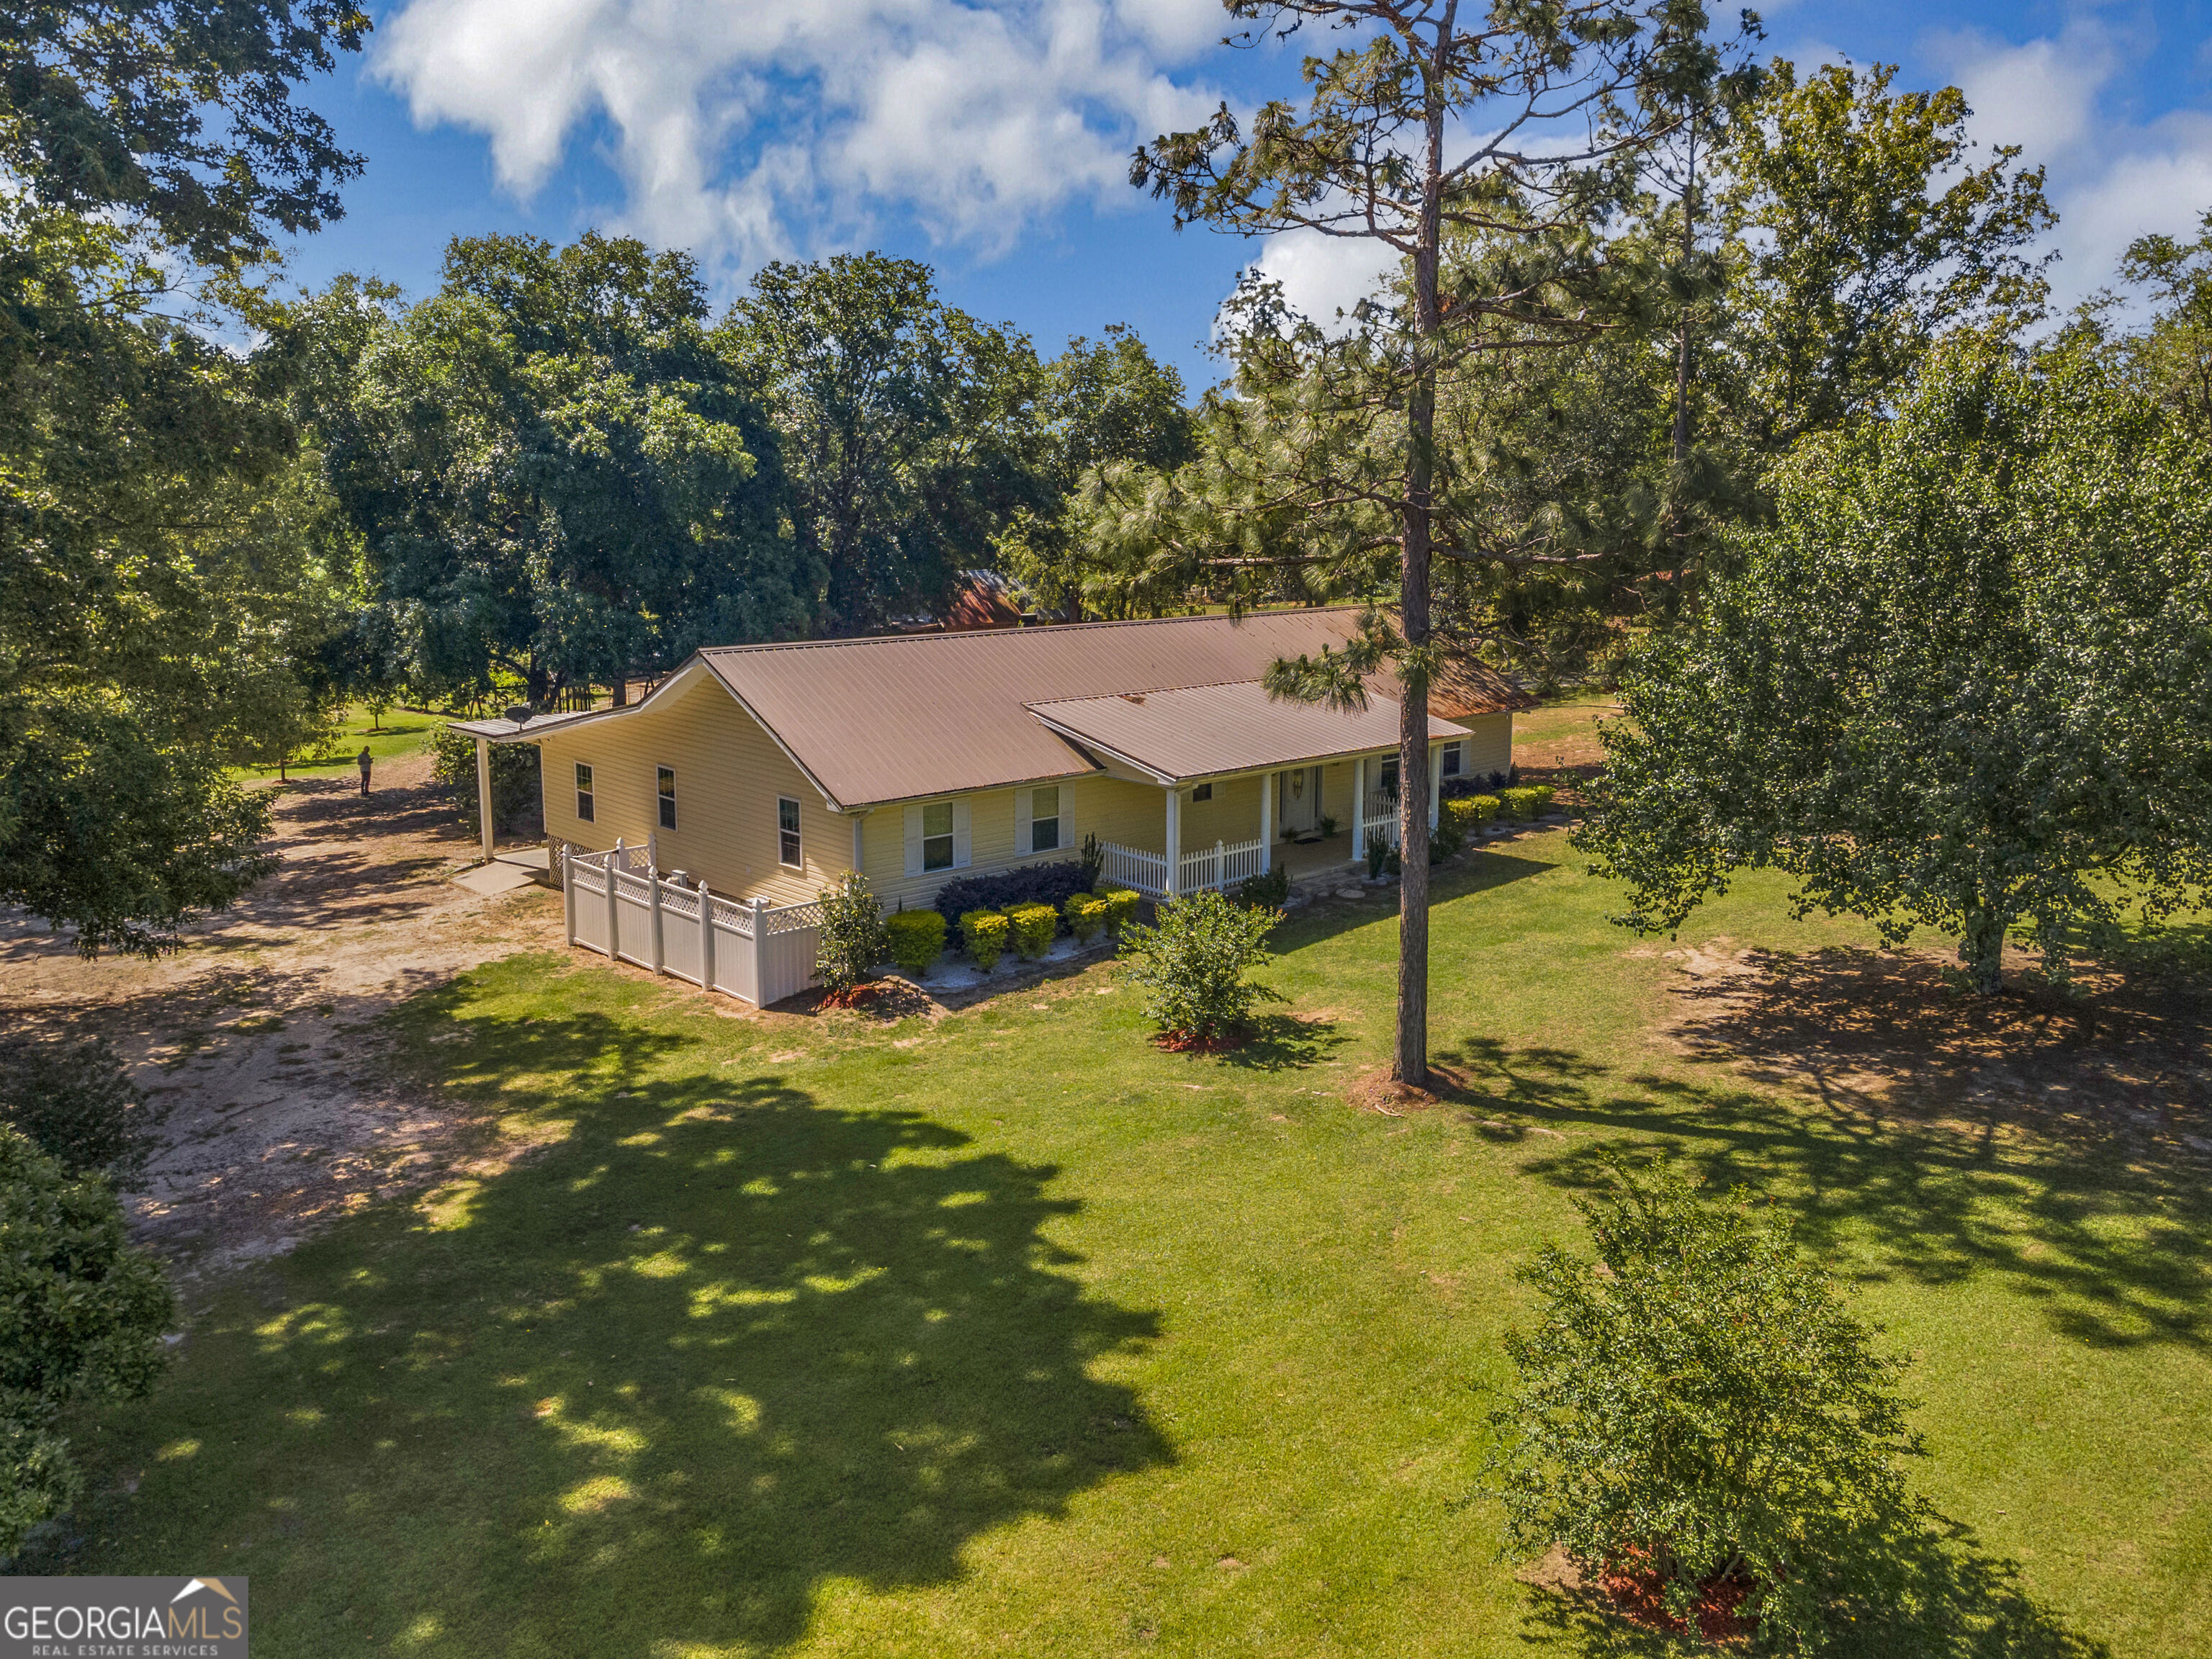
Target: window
[(583, 792), (668, 799), (1203, 791), (1044, 820), (1388, 783), (786, 832), (937, 841), (1454, 754)]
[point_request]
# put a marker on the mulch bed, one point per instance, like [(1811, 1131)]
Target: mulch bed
[(1639, 1596), (1379, 1092)]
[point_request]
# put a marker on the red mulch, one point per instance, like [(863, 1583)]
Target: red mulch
[(1190, 1043), (1639, 1596)]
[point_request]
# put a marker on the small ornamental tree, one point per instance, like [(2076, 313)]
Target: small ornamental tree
[(1697, 1405), (81, 1314), (854, 943), (1193, 964), (1964, 683)]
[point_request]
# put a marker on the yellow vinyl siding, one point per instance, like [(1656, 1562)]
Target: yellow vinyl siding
[(728, 774), (1489, 743)]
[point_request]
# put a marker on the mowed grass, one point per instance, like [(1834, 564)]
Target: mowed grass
[(1011, 1333), (400, 733)]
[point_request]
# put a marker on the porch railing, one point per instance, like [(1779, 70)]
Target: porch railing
[(1383, 824), (1221, 865), (1131, 867), (618, 905)]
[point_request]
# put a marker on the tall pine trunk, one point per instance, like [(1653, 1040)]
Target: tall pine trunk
[(1410, 1065)]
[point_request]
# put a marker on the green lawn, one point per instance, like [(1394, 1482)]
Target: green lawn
[(1013, 1335), (401, 733)]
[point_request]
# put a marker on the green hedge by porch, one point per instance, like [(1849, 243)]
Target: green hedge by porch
[(917, 939)]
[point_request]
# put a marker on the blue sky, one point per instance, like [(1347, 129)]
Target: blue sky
[(992, 139)]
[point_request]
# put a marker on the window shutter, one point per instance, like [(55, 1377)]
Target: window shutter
[(1025, 815), (1068, 838), (913, 841), (960, 839)]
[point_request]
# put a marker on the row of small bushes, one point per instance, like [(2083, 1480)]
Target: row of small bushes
[(917, 938), (1029, 929), (1467, 813), (1478, 783), (1050, 884)]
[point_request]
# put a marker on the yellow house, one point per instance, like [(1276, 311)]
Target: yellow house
[(761, 773)]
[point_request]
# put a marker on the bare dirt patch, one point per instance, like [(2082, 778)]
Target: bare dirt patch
[(1893, 1033), (256, 1041)]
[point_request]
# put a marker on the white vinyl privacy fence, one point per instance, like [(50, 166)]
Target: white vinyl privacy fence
[(619, 906)]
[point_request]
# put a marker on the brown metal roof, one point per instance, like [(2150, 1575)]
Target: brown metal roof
[(891, 718), (1202, 730), (896, 718)]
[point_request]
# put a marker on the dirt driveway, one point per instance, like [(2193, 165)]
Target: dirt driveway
[(255, 1041)]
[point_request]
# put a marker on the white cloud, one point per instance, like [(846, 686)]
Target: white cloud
[(743, 129), (2111, 179), (1323, 275)]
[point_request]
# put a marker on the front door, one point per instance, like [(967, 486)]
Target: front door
[(1299, 801)]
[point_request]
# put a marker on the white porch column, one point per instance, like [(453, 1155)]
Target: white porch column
[(1266, 822), (1436, 786), (1174, 842), (483, 793), (1359, 809)]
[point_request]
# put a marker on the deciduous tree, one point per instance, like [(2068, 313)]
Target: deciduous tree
[(1966, 681)]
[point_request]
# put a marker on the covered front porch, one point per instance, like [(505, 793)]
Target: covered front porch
[(1243, 783)]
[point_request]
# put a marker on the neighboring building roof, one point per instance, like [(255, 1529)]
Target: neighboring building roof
[(903, 716), (1201, 731)]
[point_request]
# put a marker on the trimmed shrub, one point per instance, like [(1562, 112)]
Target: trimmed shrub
[(1086, 914), (853, 939), (1519, 804), (1031, 926), (1470, 813), (1193, 962), (983, 932), (1264, 892), (1053, 884), (1542, 792), (917, 940), (1698, 1410), (81, 1314), (74, 1102), (1122, 904), (514, 781), (1446, 840)]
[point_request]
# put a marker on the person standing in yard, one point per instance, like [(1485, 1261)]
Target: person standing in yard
[(363, 760)]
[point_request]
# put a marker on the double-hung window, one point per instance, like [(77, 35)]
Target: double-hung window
[(1044, 820), (583, 792), (1388, 783), (1455, 755), (938, 842), (668, 798), (1203, 791), (786, 832)]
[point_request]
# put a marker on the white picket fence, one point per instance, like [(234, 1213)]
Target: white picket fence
[(618, 905), (1221, 865), (1383, 827), (1128, 866)]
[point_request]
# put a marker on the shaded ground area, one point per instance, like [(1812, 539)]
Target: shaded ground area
[(253, 1041), (1891, 1033)]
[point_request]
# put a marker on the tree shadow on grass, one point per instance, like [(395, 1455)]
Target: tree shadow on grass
[(652, 1387), (1284, 1043), (2113, 1246), (1956, 1602)]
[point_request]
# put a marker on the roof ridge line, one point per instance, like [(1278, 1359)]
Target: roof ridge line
[(1017, 633)]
